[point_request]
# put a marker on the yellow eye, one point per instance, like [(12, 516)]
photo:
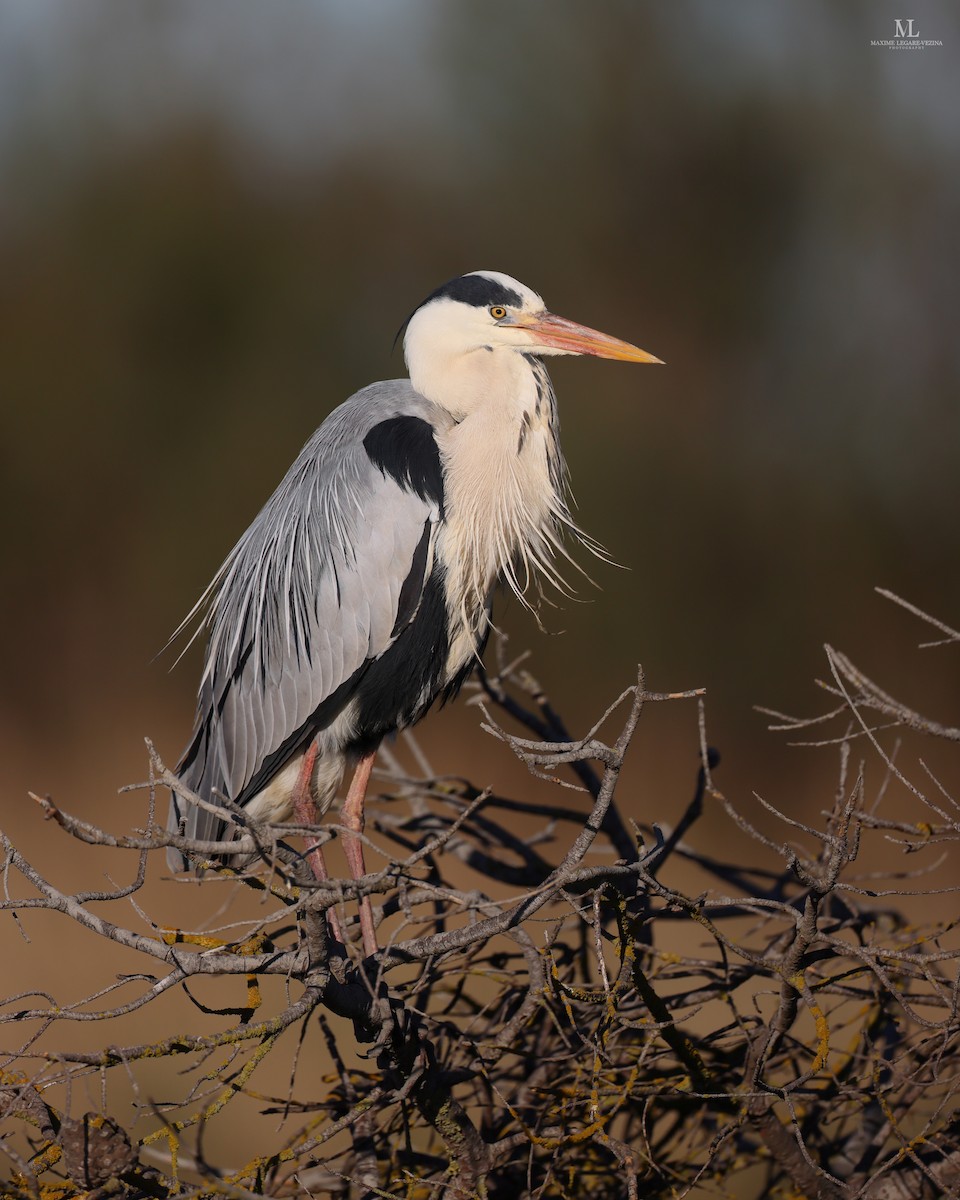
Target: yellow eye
[(498, 313)]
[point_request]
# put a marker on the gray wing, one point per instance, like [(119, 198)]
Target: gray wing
[(322, 582)]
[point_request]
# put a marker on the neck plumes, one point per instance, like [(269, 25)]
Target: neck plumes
[(505, 480)]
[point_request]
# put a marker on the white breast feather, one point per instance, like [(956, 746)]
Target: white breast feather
[(504, 514)]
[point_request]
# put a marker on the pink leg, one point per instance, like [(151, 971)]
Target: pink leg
[(305, 810), (352, 818)]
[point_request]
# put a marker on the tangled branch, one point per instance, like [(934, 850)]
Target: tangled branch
[(556, 1009)]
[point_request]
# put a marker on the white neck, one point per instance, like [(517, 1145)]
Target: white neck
[(463, 383), (504, 481)]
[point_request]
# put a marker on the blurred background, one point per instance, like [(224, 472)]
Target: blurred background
[(214, 218)]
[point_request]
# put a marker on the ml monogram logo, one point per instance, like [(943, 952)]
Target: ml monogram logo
[(906, 37), (905, 29)]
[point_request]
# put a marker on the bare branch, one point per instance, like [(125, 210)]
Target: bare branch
[(554, 999)]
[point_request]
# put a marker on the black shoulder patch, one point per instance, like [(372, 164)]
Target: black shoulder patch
[(405, 449), (476, 290)]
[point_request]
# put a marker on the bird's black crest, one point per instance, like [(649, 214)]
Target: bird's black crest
[(405, 449), (476, 290)]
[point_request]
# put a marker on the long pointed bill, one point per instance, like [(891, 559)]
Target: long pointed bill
[(567, 336)]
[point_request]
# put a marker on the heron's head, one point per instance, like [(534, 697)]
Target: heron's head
[(490, 311), (487, 313)]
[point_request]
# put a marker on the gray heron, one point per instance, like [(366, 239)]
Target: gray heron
[(362, 591)]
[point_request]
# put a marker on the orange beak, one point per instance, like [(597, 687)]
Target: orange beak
[(570, 338)]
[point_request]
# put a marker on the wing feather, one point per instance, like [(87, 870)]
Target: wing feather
[(306, 598)]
